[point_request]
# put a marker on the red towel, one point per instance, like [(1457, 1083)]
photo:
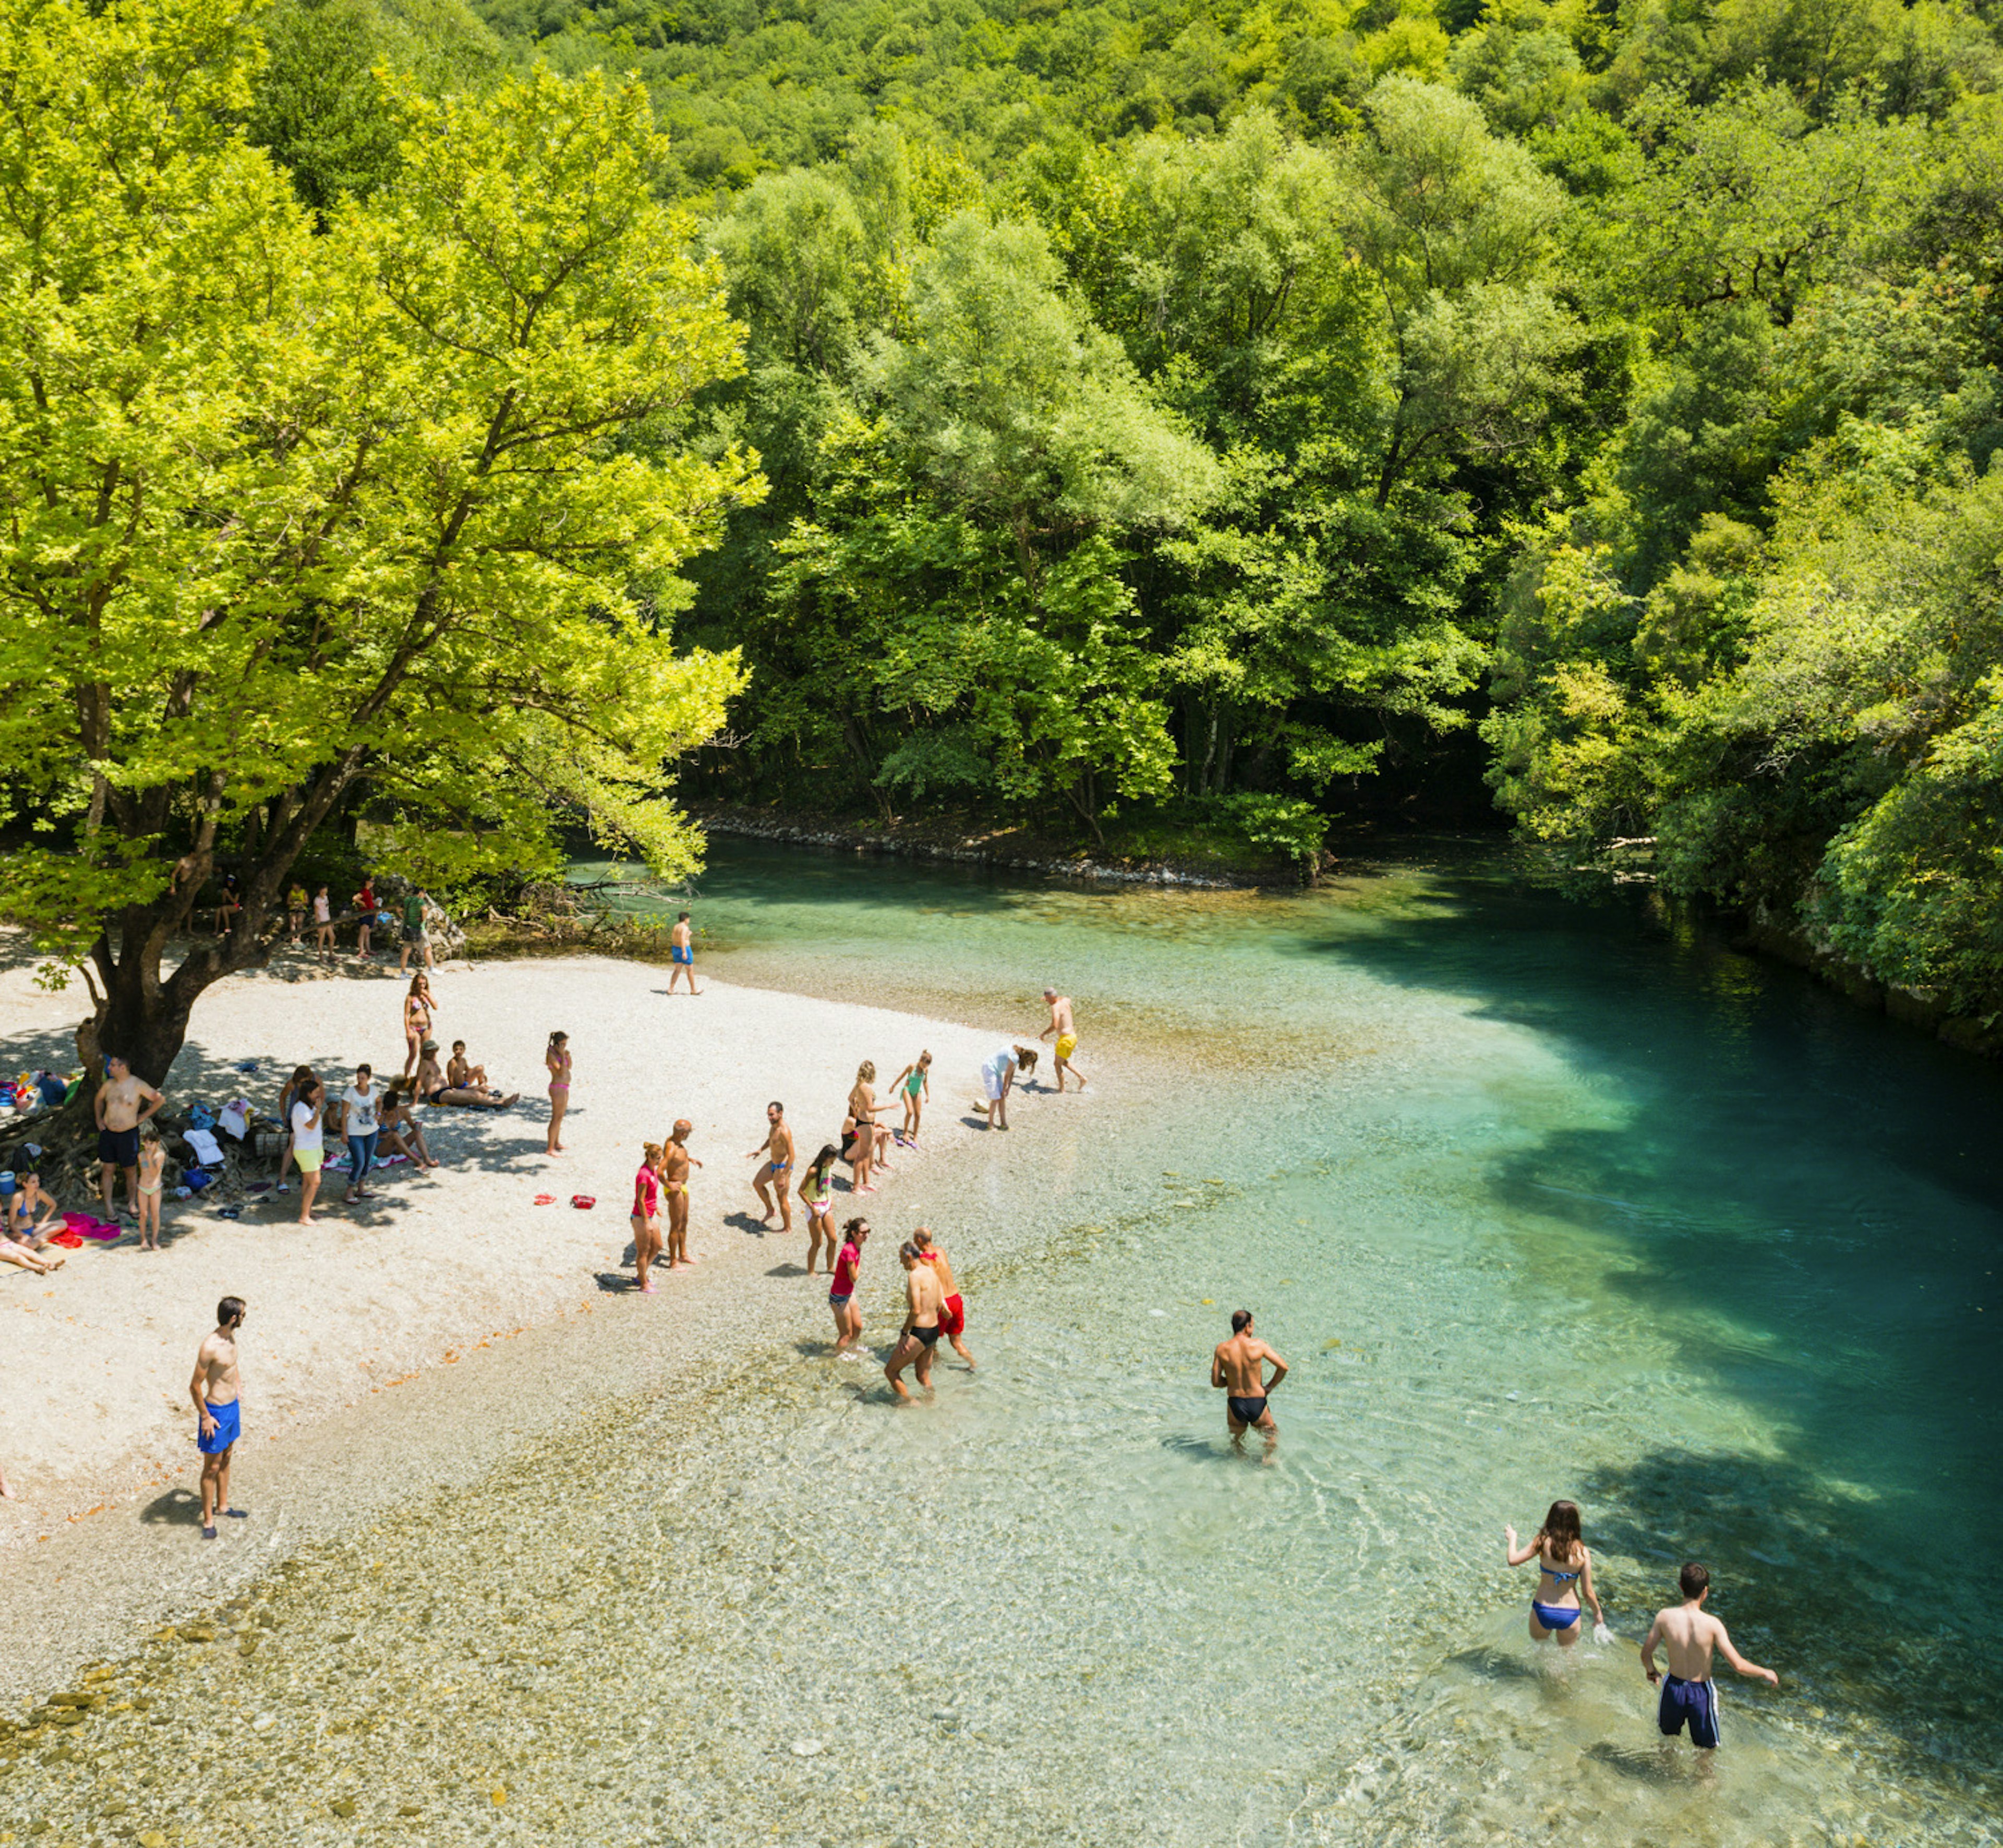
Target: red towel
[(68, 1240)]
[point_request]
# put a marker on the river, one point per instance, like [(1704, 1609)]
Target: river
[(1538, 1198)]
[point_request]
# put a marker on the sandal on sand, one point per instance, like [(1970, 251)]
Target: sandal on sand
[(582, 1201), (546, 1200)]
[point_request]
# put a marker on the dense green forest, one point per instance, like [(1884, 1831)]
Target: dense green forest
[(1238, 417)]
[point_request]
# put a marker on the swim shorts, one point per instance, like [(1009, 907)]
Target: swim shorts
[(309, 1159), (681, 952), (413, 935), (120, 1147), (228, 1428), (952, 1317), (1067, 1045), (1695, 1702)]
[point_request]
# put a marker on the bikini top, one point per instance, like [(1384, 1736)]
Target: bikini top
[(1557, 1577)]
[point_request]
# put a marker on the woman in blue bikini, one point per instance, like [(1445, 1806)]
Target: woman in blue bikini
[(1566, 1570)]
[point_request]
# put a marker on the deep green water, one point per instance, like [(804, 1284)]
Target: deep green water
[(1538, 1198)]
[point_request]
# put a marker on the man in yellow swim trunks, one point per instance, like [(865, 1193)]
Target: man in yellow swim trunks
[(1062, 1025)]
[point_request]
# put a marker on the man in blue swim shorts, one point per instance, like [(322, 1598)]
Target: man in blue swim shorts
[(216, 1390), (681, 952), (1688, 1633)]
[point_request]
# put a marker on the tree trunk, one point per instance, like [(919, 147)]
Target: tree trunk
[(145, 1021)]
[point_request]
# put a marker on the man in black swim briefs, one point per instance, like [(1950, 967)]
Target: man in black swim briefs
[(921, 1325), (1238, 1368)]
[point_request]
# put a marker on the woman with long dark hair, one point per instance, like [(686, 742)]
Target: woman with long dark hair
[(1564, 1572)]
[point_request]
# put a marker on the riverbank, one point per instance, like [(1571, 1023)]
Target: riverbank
[(442, 1261), (1002, 849)]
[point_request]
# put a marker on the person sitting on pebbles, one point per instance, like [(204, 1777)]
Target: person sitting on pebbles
[(436, 1087), (401, 1133), (32, 1212)]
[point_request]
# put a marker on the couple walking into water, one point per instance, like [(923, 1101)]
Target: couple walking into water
[(1686, 1632), (933, 1307)]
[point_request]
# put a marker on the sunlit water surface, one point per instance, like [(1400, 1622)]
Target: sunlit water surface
[(1537, 1198)]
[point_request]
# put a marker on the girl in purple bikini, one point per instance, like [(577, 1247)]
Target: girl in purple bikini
[(1565, 1570)]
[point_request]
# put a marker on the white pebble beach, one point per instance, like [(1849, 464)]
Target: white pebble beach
[(99, 1354)]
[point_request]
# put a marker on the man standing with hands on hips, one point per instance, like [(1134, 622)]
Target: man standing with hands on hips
[(216, 1389)]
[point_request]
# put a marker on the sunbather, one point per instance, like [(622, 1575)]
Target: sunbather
[(433, 1087), (18, 1250)]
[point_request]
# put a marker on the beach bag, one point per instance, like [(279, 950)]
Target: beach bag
[(194, 1179)]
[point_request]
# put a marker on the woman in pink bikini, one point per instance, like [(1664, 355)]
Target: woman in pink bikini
[(556, 1056), (647, 1214)]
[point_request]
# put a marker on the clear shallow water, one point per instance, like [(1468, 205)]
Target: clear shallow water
[(1729, 1243)]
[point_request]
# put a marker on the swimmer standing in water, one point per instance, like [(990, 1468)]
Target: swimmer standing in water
[(922, 1324), (953, 1307), (1566, 1569), (1238, 1367), (1687, 1633), (842, 1287)]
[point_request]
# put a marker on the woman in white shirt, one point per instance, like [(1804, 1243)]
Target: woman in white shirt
[(358, 1105), (309, 1142)]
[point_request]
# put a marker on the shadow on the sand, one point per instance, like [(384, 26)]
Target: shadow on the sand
[(177, 1507)]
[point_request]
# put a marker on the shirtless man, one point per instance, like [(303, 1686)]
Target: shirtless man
[(216, 1389), (676, 1161), (1688, 1633), (681, 952), (953, 1307), (1238, 1367), (921, 1325), (1066, 1030), (778, 1150), (123, 1102)]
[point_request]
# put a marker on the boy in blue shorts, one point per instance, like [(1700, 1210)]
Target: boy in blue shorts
[(1687, 1634)]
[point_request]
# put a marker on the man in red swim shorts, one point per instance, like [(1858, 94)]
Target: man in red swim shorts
[(953, 1310)]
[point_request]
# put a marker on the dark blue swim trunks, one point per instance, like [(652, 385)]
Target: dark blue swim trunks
[(1693, 1702)]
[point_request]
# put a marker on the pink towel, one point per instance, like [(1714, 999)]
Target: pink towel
[(100, 1229)]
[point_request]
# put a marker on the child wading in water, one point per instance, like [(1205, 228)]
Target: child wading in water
[(152, 1165), (912, 1088), (556, 1056), (1566, 1570), (1687, 1633)]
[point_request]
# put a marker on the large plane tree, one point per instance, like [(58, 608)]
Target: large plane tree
[(288, 517)]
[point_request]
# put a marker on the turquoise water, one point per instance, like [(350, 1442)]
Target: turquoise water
[(1538, 1199)]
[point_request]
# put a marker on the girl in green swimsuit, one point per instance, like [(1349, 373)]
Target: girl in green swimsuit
[(912, 1087), (821, 1207)]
